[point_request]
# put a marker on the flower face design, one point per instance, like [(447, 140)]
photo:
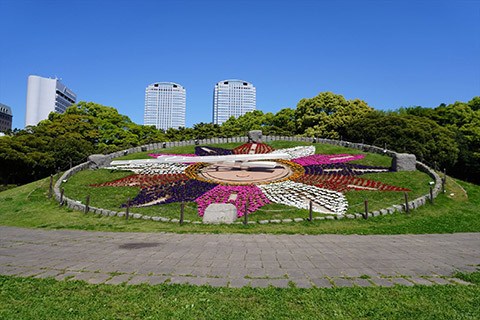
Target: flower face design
[(301, 180)]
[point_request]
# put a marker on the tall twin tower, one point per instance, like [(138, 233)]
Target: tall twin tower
[(165, 103)]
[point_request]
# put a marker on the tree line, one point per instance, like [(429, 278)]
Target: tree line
[(448, 135)]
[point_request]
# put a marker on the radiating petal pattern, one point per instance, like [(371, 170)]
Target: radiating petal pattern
[(326, 159), (296, 152), (299, 195)]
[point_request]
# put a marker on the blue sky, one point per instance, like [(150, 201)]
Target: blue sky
[(388, 53)]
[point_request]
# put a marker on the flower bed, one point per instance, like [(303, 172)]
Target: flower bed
[(296, 152), (248, 148), (299, 195), (143, 180), (345, 169), (342, 183), (212, 151), (187, 190), (318, 178), (326, 159), (237, 195)]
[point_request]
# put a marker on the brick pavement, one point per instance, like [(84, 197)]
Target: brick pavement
[(238, 260)]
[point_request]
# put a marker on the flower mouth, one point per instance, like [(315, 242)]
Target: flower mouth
[(236, 175)]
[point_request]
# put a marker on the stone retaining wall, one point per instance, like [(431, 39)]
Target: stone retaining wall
[(416, 203)]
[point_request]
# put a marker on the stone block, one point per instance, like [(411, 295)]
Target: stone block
[(350, 216), (121, 214), (275, 221), (404, 162), (298, 219), (220, 213), (287, 220), (156, 218), (97, 161), (255, 136), (112, 213), (376, 213), (383, 212), (137, 216)]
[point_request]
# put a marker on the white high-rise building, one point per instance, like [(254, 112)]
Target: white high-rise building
[(165, 105), (45, 95), (232, 98)]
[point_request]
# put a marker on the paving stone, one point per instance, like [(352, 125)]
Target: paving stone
[(321, 283), (302, 283), (343, 282), (279, 283), (438, 280), (119, 279), (263, 283), (382, 282), (362, 282), (287, 220), (401, 281), (48, 273), (421, 281), (99, 278), (239, 283)]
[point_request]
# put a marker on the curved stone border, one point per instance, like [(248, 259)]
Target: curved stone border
[(416, 203)]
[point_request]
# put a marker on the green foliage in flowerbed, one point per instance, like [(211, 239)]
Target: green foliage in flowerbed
[(29, 298)]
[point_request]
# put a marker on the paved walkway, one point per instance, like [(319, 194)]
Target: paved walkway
[(238, 260)]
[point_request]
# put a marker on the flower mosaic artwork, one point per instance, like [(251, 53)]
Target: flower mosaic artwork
[(301, 179)]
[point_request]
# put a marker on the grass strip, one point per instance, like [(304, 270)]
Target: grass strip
[(29, 298)]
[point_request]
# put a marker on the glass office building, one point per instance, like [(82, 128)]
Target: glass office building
[(232, 98), (165, 105), (45, 95)]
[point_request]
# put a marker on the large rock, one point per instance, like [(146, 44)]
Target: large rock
[(220, 213), (255, 136), (97, 161), (404, 162)]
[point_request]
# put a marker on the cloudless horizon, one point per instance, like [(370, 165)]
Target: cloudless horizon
[(388, 53)]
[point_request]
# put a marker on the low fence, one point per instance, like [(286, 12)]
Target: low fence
[(416, 203)]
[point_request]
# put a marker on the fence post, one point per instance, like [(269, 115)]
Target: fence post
[(310, 209), (87, 202), (58, 173), (407, 209), (50, 188), (182, 205), (128, 209), (431, 195), (71, 165), (245, 216), (365, 216), (444, 180), (61, 198)]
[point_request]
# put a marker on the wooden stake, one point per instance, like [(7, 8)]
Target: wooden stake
[(58, 173), (407, 209), (310, 209), (245, 216), (50, 189), (87, 202), (365, 216), (128, 209)]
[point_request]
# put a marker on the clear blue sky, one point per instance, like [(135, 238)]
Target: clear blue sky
[(388, 53)]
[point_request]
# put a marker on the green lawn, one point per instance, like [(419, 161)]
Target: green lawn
[(29, 298)]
